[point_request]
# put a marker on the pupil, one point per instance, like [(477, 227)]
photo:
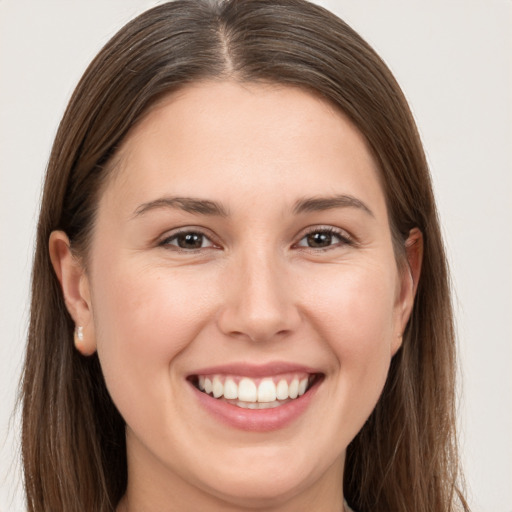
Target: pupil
[(190, 241), (319, 239)]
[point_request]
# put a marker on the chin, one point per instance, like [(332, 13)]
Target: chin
[(265, 485), (262, 491)]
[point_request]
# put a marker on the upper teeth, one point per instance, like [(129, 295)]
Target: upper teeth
[(253, 390)]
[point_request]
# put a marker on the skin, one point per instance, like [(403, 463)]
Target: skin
[(256, 291)]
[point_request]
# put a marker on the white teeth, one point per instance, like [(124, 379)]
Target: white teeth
[(282, 390), (293, 389), (266, 391), (230, 389), (249, 394), (247, 391), (258, 405), (217, 387), (302, 386)]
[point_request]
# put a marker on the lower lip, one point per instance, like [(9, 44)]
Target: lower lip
[(256, 420)]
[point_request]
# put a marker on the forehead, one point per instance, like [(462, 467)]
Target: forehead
[(228, 139)]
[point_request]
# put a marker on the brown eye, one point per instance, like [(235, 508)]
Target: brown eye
[(324, 239), (188, 240), (319, 239)]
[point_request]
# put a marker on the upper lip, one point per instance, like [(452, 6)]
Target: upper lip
[(255, 370)]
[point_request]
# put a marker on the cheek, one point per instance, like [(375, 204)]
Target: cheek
[(355, 313), (144, 318), (146, 309), (356, 307)]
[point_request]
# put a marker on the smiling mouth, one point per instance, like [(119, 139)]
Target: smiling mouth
[(256, 393)]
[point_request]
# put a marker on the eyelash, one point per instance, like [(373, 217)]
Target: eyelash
[(166, 242), (342, 236)]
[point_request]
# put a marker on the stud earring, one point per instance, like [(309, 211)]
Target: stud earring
[(79, 338)]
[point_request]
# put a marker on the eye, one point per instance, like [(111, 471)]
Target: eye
[(323, 238), (188, 240)]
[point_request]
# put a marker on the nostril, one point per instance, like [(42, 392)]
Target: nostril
[(259, 306)]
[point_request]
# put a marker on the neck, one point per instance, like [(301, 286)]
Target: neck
[(147, 492), (156, 484)]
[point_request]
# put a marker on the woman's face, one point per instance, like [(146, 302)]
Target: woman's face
[(242, 246)]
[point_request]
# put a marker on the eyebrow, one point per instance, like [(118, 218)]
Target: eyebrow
[(208, 207), (318, 204), (188, 204)]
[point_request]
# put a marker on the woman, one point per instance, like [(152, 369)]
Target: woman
[(249, 300)]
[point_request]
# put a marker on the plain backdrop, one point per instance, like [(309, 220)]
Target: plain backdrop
[(453, 59)]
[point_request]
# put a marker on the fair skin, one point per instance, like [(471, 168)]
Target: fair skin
[(271, 284)]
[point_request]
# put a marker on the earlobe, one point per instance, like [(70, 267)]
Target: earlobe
[(409, 281), (75, 289), (86, 347)]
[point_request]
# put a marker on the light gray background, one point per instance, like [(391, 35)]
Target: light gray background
[(452, 58)]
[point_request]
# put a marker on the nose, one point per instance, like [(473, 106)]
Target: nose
[(259, 303)]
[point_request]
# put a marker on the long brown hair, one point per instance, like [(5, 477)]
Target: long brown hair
[(73, 442)]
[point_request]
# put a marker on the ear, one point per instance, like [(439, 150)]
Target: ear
[(409, 278), (75, 289)]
